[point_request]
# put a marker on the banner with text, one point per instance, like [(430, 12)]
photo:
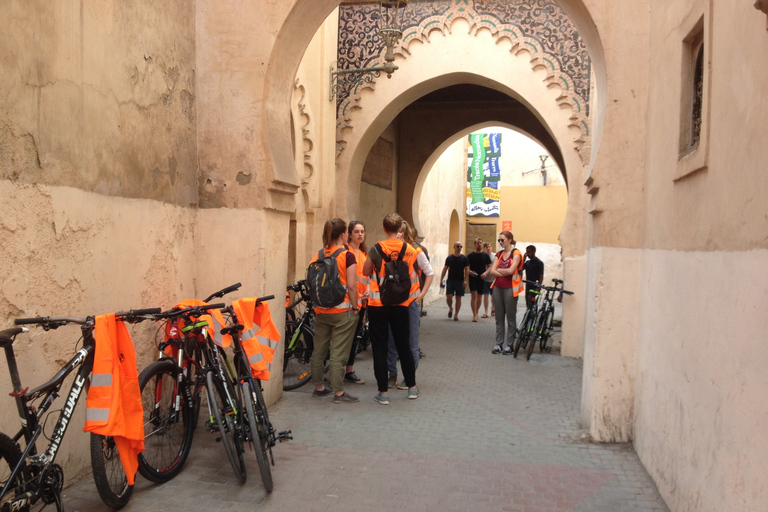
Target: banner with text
[(483, 175)]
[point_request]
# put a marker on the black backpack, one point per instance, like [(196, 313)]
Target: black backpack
[(325, 287), (395, 286)]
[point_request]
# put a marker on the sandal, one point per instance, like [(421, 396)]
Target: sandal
[(483, 316)]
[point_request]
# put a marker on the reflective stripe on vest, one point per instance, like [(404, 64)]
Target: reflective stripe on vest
[(113, 405), (259, 337)]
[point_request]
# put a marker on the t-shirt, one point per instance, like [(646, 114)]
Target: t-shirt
[(456, 266), (489, 278), (478, 261), (534, 268)]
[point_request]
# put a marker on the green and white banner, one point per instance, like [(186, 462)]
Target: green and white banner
[(483, 175)]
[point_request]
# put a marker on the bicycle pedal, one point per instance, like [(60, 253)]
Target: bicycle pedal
[(284, 436), (211, 427)]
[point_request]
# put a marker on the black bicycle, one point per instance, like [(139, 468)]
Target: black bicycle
[(258, 431), (27, 477), (546, 316), (524, 333), (299, 337)]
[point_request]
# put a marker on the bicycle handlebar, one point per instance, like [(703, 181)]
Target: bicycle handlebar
[(549, 288), (189, 310), (219, 294)]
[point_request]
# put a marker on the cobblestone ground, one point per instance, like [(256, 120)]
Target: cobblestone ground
[(489, 433)]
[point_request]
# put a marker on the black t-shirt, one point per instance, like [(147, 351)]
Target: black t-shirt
[(478, 261), (534, 268), (456, 266)]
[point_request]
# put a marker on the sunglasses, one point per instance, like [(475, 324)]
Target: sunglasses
[(501, 240)]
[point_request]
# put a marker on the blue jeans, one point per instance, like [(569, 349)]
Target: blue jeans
[(414, 317)]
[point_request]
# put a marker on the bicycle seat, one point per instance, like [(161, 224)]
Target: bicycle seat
[(6, 336)]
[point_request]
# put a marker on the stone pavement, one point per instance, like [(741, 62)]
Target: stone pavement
[(488, 433)]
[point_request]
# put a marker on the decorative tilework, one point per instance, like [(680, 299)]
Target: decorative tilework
[(539, 27)]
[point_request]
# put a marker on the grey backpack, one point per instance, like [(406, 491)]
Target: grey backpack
[(325, 287)]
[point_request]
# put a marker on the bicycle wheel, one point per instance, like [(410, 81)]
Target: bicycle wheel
[(296, 369), (108, 472), (167, 434), (9, 457), (533, 334), (259, 426), (546, 331), (224, 417), (519, 336)]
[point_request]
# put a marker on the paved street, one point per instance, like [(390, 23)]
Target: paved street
[(488, 433)]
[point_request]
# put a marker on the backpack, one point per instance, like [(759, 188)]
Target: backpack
[(395, 286), (325, 287)]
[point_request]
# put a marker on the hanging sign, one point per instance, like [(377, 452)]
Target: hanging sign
[(483, 175)]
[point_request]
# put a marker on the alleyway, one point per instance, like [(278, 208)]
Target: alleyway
[(488, 433)]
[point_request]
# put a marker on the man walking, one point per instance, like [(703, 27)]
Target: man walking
[(479, 263), (534, 271), (457, 267)]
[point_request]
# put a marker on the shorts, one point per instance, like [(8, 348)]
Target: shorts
[(486, 288), (476, 284), (454, 287)]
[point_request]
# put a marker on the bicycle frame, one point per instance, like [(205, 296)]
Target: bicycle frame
[(30, 417)]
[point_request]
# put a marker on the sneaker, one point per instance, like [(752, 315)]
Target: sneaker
[(323, 392), (353, 378), (422, 355), (345, 398), (496, 349), (413, 393), (392, 382), (382, 399), (402, 385), (507, 351)]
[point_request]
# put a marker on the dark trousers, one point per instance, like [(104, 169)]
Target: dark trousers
[(380, 320), (355, 340)]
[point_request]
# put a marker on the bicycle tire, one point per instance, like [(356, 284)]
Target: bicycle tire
[(259, 433), (167, 438), (10, 454), (546, 331), (108, 472), (533, 334), (296, 367), (518, 337), (223, 415)]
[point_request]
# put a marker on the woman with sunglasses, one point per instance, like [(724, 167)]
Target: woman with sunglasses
[(507, 269)]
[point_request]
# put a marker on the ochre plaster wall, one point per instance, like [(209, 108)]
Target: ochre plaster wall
[(100, 96), (73, 253)]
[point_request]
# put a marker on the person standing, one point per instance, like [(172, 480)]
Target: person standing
[(356, 245), (457, 267), (488, 281), (414, 310), (335, 326), (507, 269), (383, 317), (479, 263), (534, 271)]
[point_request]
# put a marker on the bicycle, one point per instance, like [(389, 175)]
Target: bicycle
[(300, 338), (35, 476), (171, 390), (546, 315), (525, 329), (258, 430)]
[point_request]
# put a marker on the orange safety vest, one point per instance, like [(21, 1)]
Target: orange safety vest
[(392, 247), (341, 262), (259, 336), (215, 322), (363, 282), (113, 406)]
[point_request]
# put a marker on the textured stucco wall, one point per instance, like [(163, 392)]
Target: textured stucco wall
[(100, 96), (73, 253)]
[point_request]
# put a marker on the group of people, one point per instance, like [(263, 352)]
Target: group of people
[(498, 275), (393, 328)]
